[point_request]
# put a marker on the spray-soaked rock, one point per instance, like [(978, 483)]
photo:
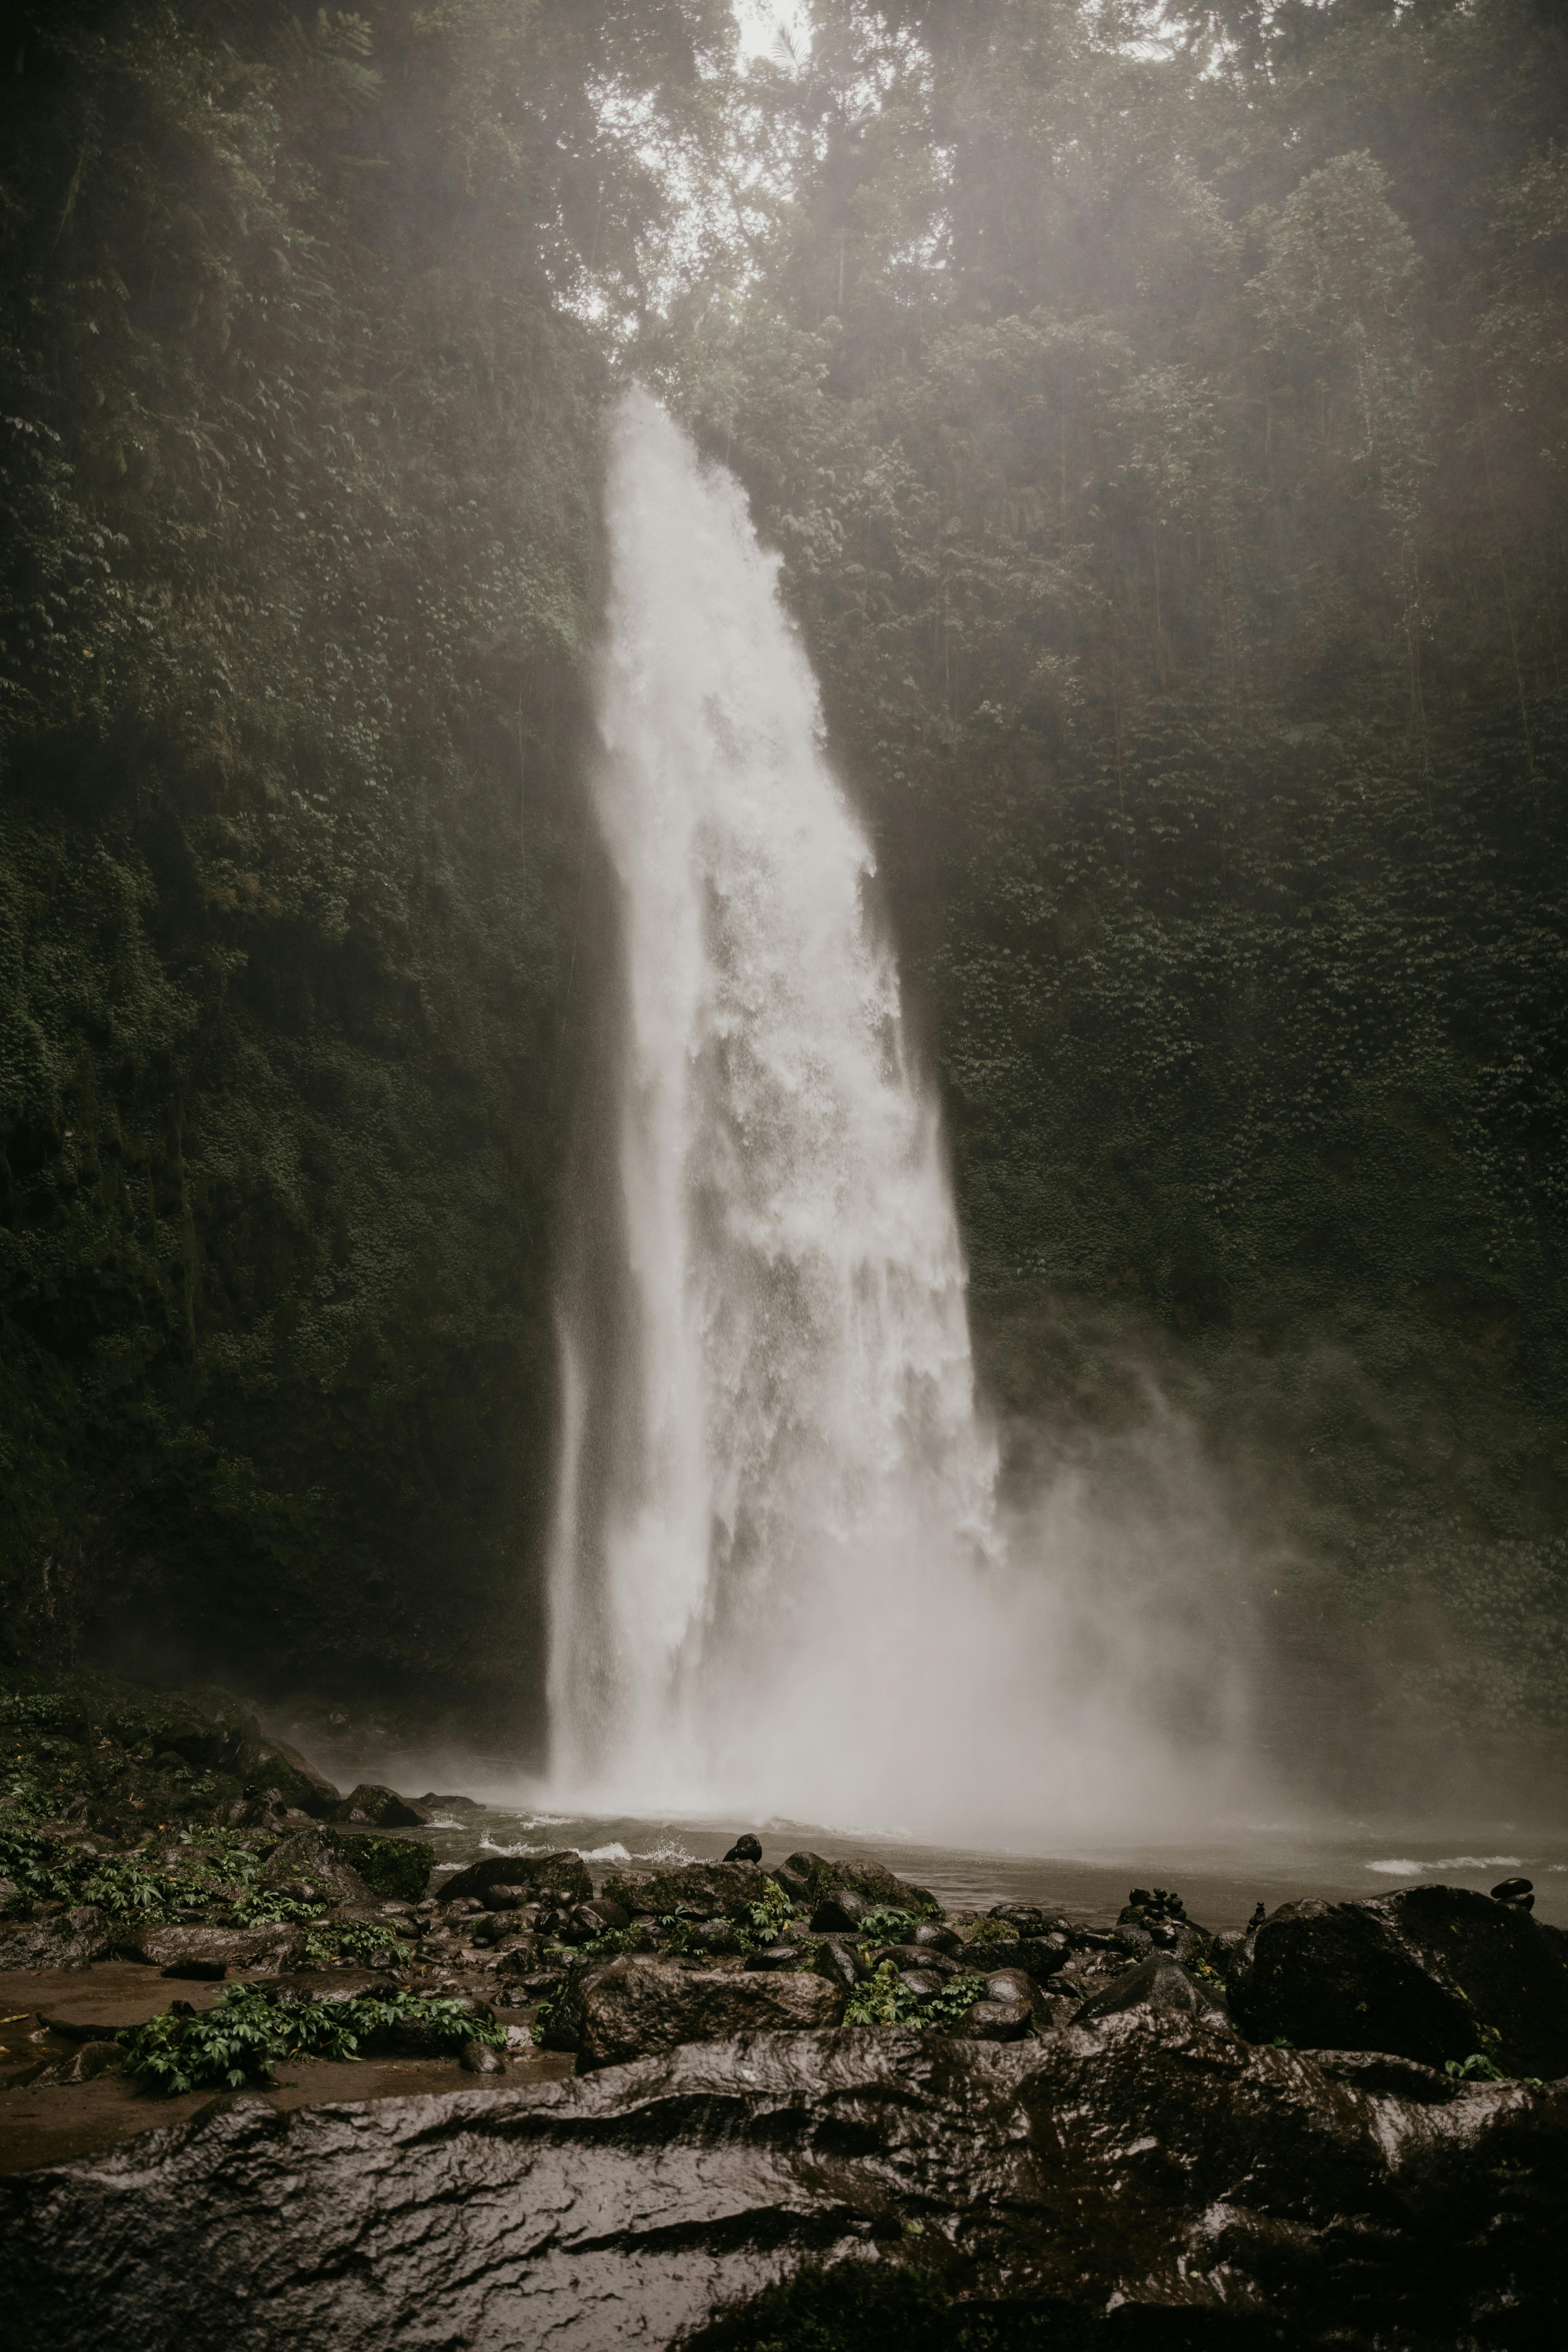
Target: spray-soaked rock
[(1432, 1973), (211, 1951), (634, 2008), (1158, 1985), (808, 1879), (562, 1876), (380, 1808), (995, 2020), (696, 1890), (746, 1848), (1149, 2181)]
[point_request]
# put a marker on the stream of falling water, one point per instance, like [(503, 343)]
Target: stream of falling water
[(777, 1584)]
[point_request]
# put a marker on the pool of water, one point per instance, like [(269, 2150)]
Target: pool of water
[(1219, 1883)]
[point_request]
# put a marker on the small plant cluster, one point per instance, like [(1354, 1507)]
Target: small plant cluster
[(883, 2000), (1479, 2068), (766, 1922), (218, 1875), (365, 1940), (251, 2027)]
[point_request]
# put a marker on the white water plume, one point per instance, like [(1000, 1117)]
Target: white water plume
[(779, 1582)]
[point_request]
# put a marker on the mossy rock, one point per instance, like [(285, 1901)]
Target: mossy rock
[(398, 1869)]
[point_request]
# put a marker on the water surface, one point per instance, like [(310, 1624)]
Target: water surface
[(1220, 1883)]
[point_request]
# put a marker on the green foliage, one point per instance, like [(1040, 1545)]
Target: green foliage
[(396, 1868), (886, 1924), (611, 1943), (1479, 2068), (881, 1999), (771, 1915), (366, 1942), (991, 1931), (857, 2306), (252, 2027), (299, 447)]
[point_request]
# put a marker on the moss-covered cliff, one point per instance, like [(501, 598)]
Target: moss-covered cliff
[(298, 471)]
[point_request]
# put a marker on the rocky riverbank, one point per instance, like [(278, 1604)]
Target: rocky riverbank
[(314, 2102)]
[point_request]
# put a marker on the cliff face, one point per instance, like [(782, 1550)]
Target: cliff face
[(296, 499)]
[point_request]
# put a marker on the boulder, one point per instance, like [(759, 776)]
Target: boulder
[(1150, 2182), (717, 1938), (52, 1943), (807, 1879), (746, 1848), (1012, 1984), (696, 1890), (1433, 1973), (994, 2020), (635, 2008), (775, 1957), (561, 1875), (380, 1808), (208, 1952), (837, 1958), (319, 1858), (273, 1764), (449, 1804), (839, 1912), (938, 1937), (1158, 1985), (481, 2058)]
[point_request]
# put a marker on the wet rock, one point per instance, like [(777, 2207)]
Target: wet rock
[(1518, 1891), (52, 1943), (438, 1804), (1157, 1986), (603, 1916), (1432, 1973), (914, 1956), (922, 1982), (718, 1938), (541, 1984), (316, 1861), (1012, 1985), (932, 1934), (208, 1952), (995, 2020), (836, 1960), (1201, 2192), (480, 2058), (695, 1890), (773, 1957), (508, 1898), (1024, 1918), (839, 1912), (634, 2009), (274, 1766), (807, 1879), (745, 1849), (562, 1875), (380, 1808)]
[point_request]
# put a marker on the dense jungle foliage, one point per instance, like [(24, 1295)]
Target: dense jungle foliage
[(298, 478), (1164, 419), (1163, 415)]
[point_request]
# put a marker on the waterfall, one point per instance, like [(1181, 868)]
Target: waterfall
[(790, 1449), (779, 1586)]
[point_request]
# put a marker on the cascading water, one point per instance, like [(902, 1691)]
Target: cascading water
[(777, 1582)]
